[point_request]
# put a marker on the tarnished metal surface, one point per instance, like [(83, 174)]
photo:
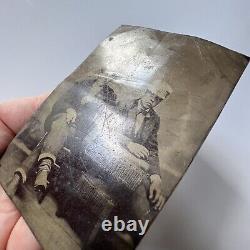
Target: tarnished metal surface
[(117, 135)]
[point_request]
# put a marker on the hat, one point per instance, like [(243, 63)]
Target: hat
[(160, 88)]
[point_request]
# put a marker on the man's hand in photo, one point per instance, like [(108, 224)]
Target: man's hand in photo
[(138, 150), (71, 115), (155, 192)]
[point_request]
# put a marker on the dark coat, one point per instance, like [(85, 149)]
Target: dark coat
[(146, 136)]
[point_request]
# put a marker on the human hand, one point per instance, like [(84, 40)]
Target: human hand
[(70, 115), (138, 150), (155, 194), (14, 232)]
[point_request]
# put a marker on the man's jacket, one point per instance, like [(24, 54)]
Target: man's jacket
[(147, 134)]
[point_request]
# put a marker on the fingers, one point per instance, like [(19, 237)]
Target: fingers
[(8, 218), (143, 150), (21, 238), (68, 118), (157, 195), (144, 153), (6, 135), (74, 118), (151, 192), (71, 115), (138, 150), (13, 115), (137, 154), (140, 154), (160, 203)]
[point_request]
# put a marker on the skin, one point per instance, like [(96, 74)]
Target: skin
[(149, 100), (14, 232)]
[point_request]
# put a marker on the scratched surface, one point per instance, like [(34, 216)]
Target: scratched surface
[(132, 60)]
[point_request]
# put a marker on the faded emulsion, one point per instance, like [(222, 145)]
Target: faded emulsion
[(98, 160)]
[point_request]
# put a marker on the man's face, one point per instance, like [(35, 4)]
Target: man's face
[(150, 100)]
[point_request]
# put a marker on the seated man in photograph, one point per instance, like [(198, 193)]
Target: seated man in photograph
[(71, 115), (141, 129)]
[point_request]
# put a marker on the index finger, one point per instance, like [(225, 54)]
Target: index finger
[(13, 115)]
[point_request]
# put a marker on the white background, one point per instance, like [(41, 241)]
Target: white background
[(41, 42)]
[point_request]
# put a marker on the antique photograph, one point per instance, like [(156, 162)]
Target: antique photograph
[(98, 160)]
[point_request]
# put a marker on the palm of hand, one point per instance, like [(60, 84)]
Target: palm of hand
[(14, 233)]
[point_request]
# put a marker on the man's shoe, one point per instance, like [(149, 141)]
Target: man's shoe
[(41, 182)]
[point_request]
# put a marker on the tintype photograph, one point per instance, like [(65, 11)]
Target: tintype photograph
[(98, 160)]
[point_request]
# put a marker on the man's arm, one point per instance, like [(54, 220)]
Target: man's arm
[(152, 146), (155, 189), (67, 104), (71, 99)]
